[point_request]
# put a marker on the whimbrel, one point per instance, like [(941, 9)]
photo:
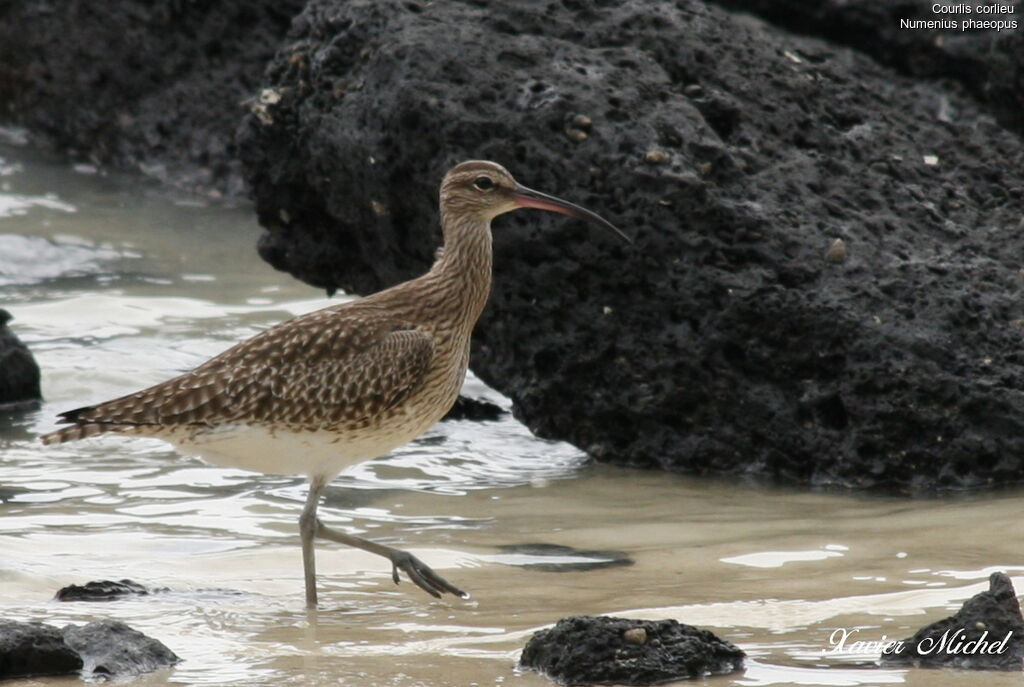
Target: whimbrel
[(344, 384)]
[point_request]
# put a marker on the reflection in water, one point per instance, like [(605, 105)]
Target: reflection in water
[(776, 559), (163, 285)]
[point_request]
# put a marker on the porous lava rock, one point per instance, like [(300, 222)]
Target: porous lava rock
[(99, 650), (157, 87), (987, 633), (988, 62), (110, 648), (19, 372), (477, 409), (34, 649), (735, 153), (602, 650), (103, 590)]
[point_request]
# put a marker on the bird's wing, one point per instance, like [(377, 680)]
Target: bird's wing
[(328, 368)]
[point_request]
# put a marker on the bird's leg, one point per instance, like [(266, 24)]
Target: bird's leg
[(308, 524), (418, 571)]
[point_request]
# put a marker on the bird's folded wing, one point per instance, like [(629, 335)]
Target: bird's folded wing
[(319, 370)]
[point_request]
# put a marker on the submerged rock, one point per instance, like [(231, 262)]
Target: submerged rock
[(34, 649), (477, 409), (112, 649), (103, 590), (987, 633), (720, 341), (600, 650), (19, 372), (109, 590), (559, 558)]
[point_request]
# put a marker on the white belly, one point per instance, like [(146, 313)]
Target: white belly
[(281, 452)]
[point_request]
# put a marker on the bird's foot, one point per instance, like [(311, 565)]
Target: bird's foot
[(418, 571), (421, 574)]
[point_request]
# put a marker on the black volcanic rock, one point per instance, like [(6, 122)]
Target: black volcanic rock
[(601, 650), (735, 153), (102, 590), (987, 62), (476, 409), (33, 649), (152, 86), (100, 650), (19, 372), (987, 633), (109, 648)]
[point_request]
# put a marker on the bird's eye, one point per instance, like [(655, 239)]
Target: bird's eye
[(483, 183)]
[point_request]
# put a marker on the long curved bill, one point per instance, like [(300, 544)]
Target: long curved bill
[(528, 198)]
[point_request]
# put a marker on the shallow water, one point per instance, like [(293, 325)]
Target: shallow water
[(116, 284)]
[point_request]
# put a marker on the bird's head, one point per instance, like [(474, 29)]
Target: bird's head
[(484, 190)]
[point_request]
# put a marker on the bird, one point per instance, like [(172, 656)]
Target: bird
[(344, 384)]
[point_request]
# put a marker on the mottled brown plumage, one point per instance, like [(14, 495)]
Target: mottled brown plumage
[(335, 369), (343, 384)]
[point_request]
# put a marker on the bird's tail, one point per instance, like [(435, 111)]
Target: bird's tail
[(74, 433)]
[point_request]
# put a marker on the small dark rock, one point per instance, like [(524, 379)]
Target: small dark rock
[(111, 648), (102, 590), (476, 409), (29, 649), (19, 373), (589, 650), (9, 493), (987, 633)]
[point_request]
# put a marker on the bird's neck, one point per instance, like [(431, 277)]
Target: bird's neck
[(464, 268)]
